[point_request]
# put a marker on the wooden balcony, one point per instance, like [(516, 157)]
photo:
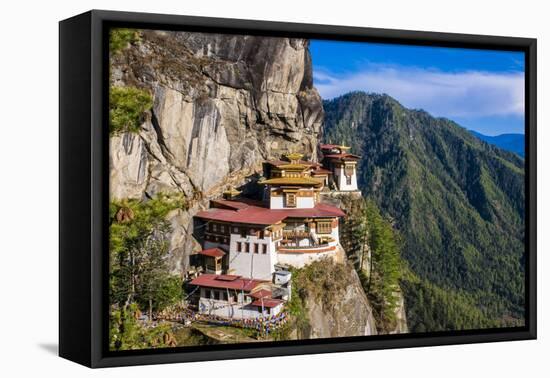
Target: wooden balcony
[(296, 234)]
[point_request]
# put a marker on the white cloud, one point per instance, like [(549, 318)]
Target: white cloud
[(448, 94)]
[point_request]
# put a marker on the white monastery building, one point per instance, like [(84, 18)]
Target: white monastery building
[(245, 242), (343, 166)]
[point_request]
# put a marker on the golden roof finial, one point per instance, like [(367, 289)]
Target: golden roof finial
[(294, 157), (343, 146), (231, 193)]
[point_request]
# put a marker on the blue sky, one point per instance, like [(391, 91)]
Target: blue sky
[(481, 90)]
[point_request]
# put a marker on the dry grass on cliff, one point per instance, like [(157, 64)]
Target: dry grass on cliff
[(322, 281)]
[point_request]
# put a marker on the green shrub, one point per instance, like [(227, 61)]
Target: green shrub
[(119, 38), (127, 108), (127, 333)]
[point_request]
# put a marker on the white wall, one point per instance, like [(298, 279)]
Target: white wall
[(242, 309), (305, 202), (250, 264), (29, 156), (341, 179), (225, 309), (299, 260), (278, 202)]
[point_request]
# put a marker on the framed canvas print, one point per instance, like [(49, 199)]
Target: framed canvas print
[(233, 188)]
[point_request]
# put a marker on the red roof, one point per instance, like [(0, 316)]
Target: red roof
[(268, 303), (342, 156), (212, 252), (261, 294), (236, 204), (321, 210), (242, 212), (329, 146), (320, 171), (249, 215), (226, 281)]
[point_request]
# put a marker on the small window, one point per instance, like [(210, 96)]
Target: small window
[(243, 232), (348, 180), (223, 296), (291, 199), (222, 228), (215, 227), (212, 294), (239, 247), (235, 230), (247, 247), (264, 248), (324, 227), (261, 234), (256, 248)]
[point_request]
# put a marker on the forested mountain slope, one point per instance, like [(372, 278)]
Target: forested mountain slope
[(457, 202)]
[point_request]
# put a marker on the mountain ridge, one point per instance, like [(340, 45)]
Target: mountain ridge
[(457, 202), (513, 142)]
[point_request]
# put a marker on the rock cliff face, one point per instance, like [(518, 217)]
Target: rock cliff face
[(222, 105), (401, 317), (349, 313), (333, 301)]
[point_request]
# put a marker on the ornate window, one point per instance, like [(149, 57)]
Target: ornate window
[(324, 227), (291, 199)]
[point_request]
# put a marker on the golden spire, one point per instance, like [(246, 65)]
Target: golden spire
[(343, 147), (294, 157), (231, 193)]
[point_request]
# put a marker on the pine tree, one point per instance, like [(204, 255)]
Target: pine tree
[(139, 235), (374, 248)]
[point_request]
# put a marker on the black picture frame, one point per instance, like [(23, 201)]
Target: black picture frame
[(84, 191)]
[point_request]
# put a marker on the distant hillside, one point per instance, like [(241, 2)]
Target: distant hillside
[(509, 142), (457, 202)]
